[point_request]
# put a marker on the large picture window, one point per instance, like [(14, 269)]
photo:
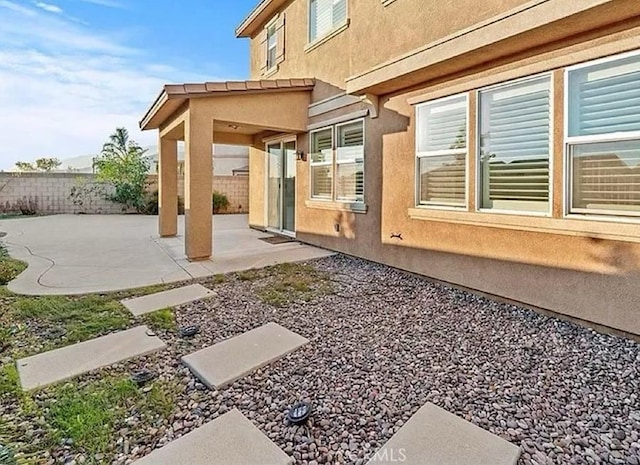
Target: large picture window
[(515, 146), (441, 149), (603, 137), (342, 154), (325, 16)]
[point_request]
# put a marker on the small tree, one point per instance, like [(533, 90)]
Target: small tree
[(123, 164), (43, 164), (47, 164), (25, 166)]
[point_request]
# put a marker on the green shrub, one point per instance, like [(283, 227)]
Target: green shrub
[(10, 268), (152, 206), (220, 201)]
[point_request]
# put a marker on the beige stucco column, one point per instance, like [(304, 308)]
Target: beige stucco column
[(168, 187), (198, 186)]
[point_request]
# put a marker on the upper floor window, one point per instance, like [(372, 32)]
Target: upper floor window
[(515, 145), (441, 148), (272, 40), (272, 45), (603, 136), (325, 16), (338, 149)]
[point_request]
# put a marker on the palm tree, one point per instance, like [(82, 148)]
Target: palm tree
[(123, 164), (119, 146)]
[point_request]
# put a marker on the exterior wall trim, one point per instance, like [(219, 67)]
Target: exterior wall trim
[(570, 226), (527, 17), (543, 63), (355, 207), (321, 40), (338, 120), (332, 103)]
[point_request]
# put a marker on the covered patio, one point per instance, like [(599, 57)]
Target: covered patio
[(239, 113), (83, 254)]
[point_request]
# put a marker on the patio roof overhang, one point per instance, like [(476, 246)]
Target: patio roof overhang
[(174, 96), (529, 27)]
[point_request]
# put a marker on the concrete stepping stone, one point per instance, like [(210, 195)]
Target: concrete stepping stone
[(61, 364), (166, 299), (223, 363), (230, 439), (434, 436)]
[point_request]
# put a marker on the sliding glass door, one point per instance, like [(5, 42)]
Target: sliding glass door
[(281, 186)]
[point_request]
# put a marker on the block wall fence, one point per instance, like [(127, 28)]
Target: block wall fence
[(60, 193)]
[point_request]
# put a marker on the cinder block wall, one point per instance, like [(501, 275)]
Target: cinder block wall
[(57, 193), (53, 193)]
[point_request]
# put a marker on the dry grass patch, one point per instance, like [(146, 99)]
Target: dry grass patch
[(291, 282)]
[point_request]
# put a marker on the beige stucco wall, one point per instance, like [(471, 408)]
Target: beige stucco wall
[(376, 33), (589, 270)]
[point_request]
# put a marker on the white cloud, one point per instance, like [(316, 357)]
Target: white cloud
[(64, 89), (48, 7), (16, 8), (107, 3)]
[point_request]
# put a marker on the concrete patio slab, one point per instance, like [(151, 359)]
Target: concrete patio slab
[(81, 254), (167, 299), (230, 439), (61, 364), (434, 436), (223, 363)]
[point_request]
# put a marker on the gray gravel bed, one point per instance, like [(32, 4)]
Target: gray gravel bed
[(385, 343)]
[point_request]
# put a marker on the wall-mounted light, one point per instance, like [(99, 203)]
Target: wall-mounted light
[(301, 156), (235, 127)]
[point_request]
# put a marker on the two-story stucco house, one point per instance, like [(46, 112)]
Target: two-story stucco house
[(494, 145)]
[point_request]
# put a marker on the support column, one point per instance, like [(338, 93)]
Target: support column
[(198, 186), (167, 187)]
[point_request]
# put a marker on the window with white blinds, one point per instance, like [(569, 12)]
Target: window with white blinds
[(604, 136), (515, 146), (321, 156), (325, 16), (338, 149), (350, 162), (441, 149)]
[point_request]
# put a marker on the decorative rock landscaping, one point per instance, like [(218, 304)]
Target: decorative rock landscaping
[(382, 344)]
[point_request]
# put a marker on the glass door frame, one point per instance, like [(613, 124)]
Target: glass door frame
[(281, 141)]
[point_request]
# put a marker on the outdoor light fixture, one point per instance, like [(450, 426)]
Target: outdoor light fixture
[(299, 413), (301, 156), (189, 331), (142, 377), (234, 127)]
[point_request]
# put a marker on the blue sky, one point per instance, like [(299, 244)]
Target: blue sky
[(73, 70)]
